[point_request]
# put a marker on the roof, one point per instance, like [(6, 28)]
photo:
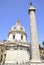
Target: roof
[(17, 27)]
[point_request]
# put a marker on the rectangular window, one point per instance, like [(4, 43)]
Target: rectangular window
[(13, 36), (21, 36)]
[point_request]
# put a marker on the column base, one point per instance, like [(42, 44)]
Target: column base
[(36, 62)]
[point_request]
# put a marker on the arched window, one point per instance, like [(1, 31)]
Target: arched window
[(13, 36)]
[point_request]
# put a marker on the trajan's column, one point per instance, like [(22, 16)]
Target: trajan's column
[(33, 36)]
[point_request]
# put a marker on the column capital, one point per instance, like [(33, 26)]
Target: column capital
[(31, 8)]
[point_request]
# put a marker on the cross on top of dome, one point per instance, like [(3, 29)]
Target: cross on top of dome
[(18, 22)]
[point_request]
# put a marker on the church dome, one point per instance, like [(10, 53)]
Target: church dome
[(17, 27), (17, 32)]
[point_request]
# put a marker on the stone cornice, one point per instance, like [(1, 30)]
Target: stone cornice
[(10, 43)]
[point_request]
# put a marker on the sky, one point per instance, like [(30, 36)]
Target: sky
[(13, 10)]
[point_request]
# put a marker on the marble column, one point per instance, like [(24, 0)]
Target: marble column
[(33, 35)]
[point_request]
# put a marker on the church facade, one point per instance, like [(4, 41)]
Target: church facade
[(16, 50)]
